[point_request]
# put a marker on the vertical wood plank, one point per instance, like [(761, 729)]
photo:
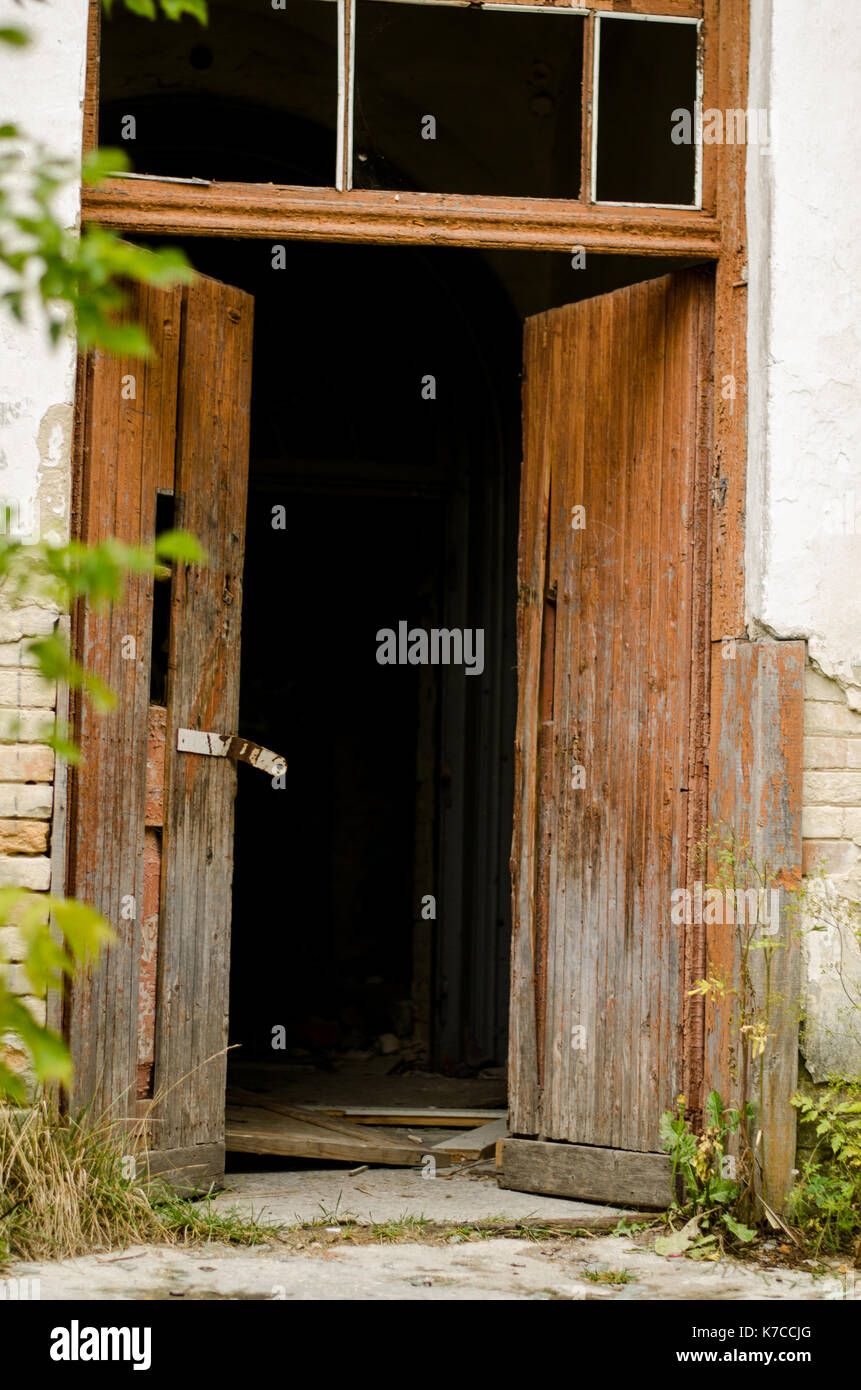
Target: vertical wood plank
[(727, 23), (128, 443), (755, 777), (90, 133), (531, 561), (203, 693)]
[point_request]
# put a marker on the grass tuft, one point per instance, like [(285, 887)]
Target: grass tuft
[(64, 1191)]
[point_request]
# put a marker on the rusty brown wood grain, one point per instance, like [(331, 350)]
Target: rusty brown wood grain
[(147, 208), (203, 693), (127, 443), (727, 29), (615, 393)]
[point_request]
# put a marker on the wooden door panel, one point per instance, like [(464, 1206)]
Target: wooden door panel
[(129, 421), (203, 693), (184, 430), (616, 397)]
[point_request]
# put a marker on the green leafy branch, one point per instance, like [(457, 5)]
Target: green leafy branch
[(711, 1199), (46, 957)]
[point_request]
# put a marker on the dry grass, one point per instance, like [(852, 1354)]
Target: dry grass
[(63, 1191)]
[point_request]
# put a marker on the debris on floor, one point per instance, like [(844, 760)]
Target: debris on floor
[(261, 1124)]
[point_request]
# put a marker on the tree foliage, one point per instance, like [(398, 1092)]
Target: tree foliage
[(77, 281)]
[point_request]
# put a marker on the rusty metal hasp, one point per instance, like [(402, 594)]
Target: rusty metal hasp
[(230, 746)]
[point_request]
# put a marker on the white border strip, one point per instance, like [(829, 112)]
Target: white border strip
[(340, 156)]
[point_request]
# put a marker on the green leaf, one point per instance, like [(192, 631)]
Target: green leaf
[(180, 546), (679, 1241), (64, 747), (51, 1060), (15, 38), (175, 9), (740, 1231), (714, 1109), (723, 1190), (102, 162), (145, 8), (84, 929), (12, 1088)]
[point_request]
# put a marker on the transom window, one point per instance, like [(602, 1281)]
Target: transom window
[(496, 100)]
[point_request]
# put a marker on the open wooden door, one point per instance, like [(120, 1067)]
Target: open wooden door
[(151, 827), (612, 736)]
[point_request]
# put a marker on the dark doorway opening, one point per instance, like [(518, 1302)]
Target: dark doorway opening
[(371, 889)]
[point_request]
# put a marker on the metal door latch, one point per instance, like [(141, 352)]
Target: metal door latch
[(230, 746)]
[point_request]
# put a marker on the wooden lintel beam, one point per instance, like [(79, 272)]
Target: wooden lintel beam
[(150, 207)]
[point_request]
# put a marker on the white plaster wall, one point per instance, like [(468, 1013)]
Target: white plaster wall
[(803, 516), (804, 398), (41, 91)]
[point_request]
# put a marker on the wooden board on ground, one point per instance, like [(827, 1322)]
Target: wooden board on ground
[(256, 1124), (475, 1144), (408, 1118), (588, 1174)]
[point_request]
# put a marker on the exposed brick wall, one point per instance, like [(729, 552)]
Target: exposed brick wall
[(831, 822), (27, 706)]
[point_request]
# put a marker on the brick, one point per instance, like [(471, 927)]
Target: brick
[(24, 871), (11, 944), (28, 621), (38, 1008), (25, 725), (16, 654), (852, 824), (825, 752), (14, 1054), (26, 763), (853, 752), (831, 788), (23, 836), (18, 980), (819, 687), (822, 718), (822, 822), (828, 856), (25, 801), (26, 688)]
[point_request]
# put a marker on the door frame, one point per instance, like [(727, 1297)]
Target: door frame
[(715, 232)]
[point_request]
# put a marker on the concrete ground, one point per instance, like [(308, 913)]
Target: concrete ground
[(322, 1262)]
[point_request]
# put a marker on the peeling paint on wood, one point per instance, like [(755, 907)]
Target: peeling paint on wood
[(616, 422)]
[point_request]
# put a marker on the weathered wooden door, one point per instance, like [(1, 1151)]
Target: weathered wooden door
[(151, 846), (611, 740)]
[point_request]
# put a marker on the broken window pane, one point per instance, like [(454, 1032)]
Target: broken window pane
[(646, 71), (251, 97), (456, 100)]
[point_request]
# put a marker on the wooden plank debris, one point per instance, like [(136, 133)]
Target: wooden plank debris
[(258, 1124), (475, 1144), (408, 1118), (611, 1176)]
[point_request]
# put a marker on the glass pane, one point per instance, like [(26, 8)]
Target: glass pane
[(456, 100), (251, 97), (647, 70)]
